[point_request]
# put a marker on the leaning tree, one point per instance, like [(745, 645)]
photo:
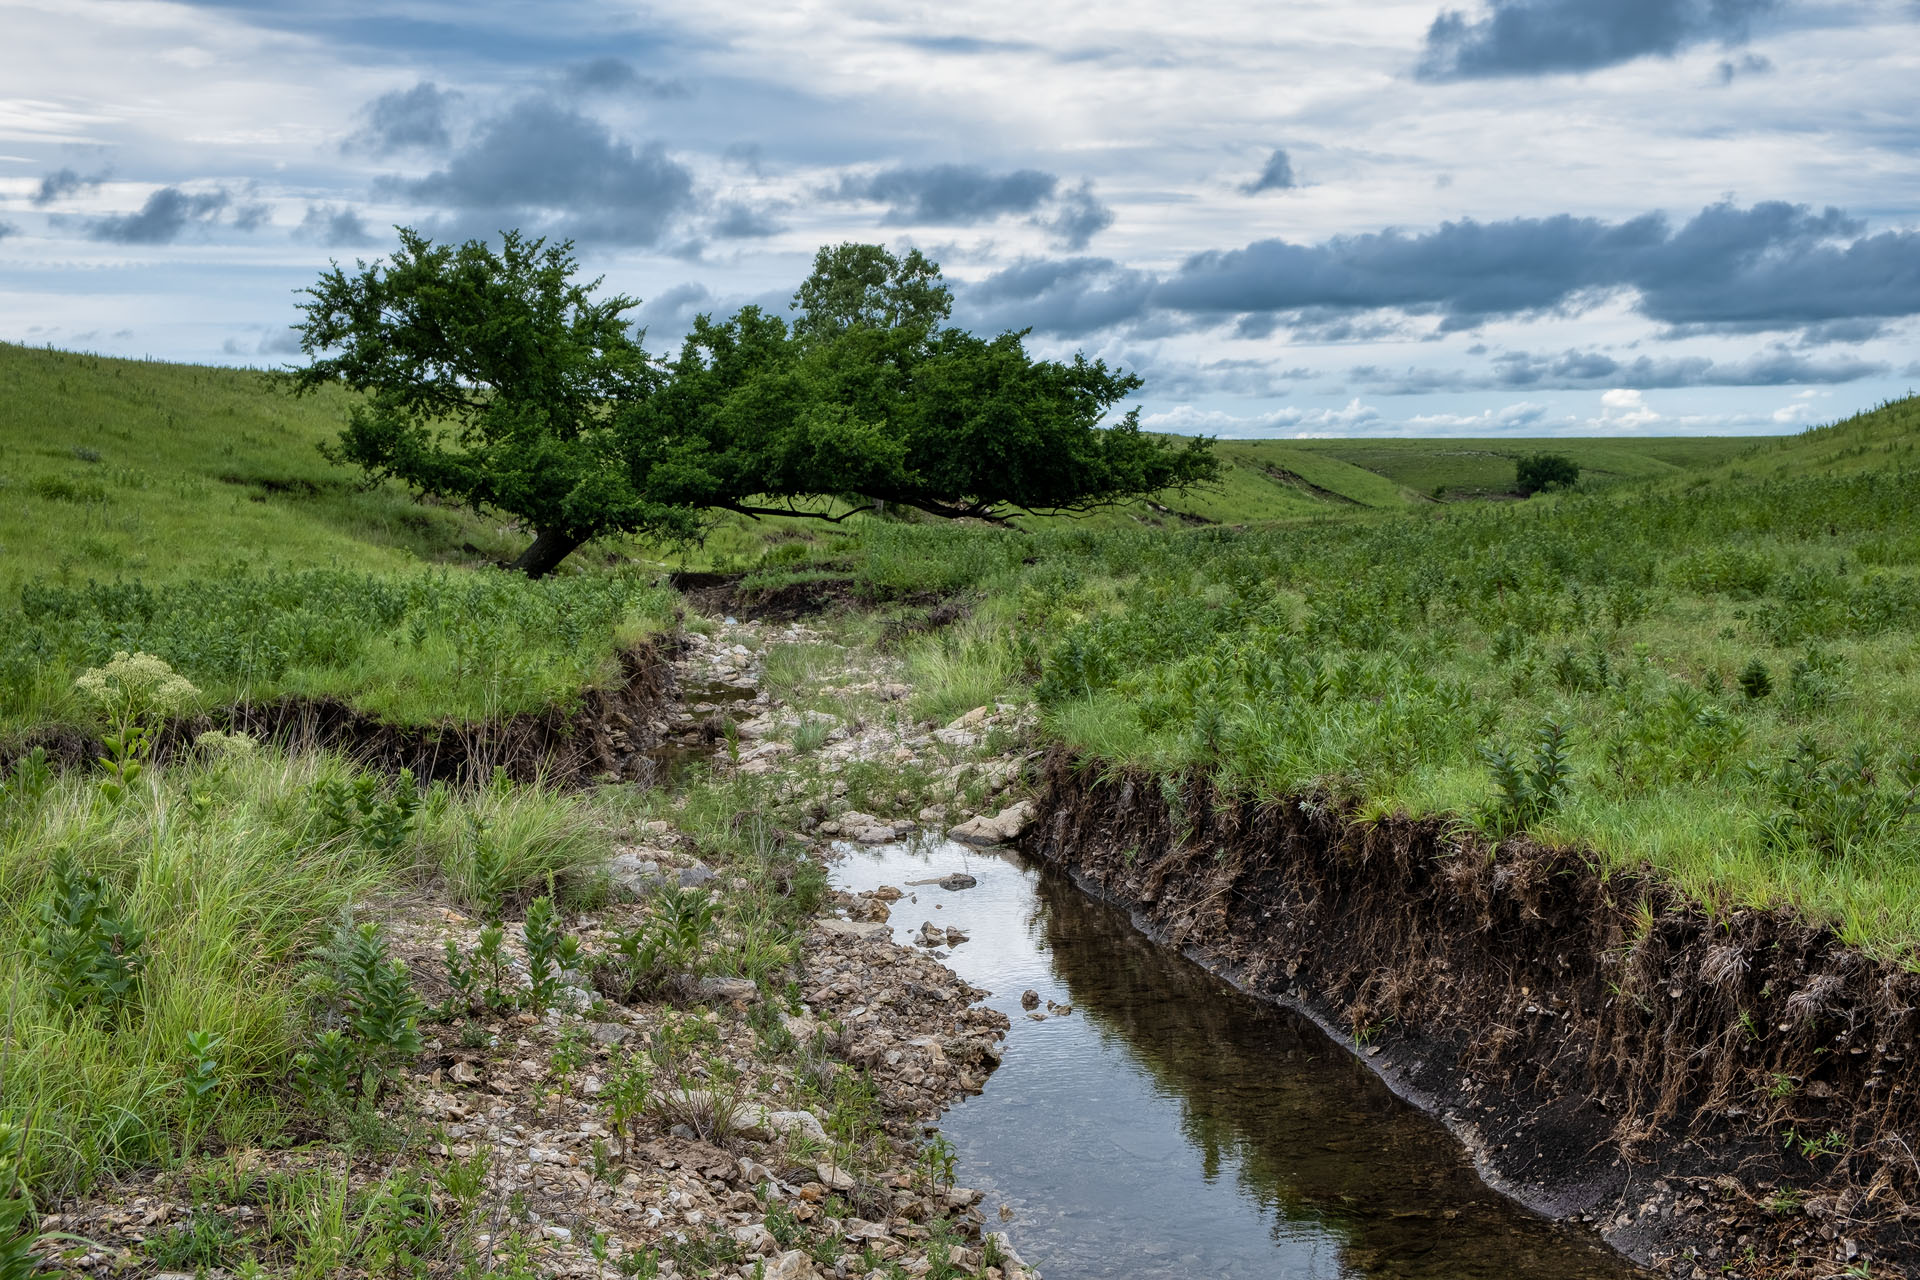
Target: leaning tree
[(495, 380)]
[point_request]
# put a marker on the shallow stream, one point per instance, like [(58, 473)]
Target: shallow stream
[(1171, 1125)]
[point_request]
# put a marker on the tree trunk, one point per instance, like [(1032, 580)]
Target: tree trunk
[(550, 547)]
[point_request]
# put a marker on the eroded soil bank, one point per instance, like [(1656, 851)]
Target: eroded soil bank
[(1730, 1096), (609, 733)]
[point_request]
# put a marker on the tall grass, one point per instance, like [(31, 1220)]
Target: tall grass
[(408, 648), (235, 869)]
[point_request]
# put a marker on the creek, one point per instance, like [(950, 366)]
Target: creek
[(1173, 1126)]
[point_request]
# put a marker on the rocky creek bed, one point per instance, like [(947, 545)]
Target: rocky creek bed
[(1600, 1051)]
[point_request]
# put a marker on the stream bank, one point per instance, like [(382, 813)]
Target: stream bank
[(1709, 1096)]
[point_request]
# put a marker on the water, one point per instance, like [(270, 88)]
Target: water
[(1173, 1126)]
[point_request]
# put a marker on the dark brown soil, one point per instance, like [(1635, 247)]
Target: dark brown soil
[(1714, 1095), (721, 593), (609, 733)]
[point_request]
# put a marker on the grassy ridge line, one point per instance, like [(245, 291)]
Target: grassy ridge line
[(122, 468), (1464, 467)]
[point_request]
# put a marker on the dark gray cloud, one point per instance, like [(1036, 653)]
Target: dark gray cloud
[(1769, 267), (739, 221), (251, 217), (406, 119), (335, 226), (1575, 370), (617, 75), (543, 160), (959, 194), (1541, 37), (1071, 297), (167, 213), (8, 229), (1275, 175), (1077, 218), (62, 183)]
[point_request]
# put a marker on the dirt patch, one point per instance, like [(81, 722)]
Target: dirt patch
[(724, 594), (609, 733), (1736, 1091)]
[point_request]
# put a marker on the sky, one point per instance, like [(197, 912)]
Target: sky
[(1518, 217)]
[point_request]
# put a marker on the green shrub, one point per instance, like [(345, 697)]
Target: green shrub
[(1536, 472)]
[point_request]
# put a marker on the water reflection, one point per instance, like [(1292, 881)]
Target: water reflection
[(1172, 1126)]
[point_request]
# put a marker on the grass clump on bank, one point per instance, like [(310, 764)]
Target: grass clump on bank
[(155, 949)]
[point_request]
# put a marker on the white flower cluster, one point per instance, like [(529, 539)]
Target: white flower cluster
[(136, 685), (218, 745)]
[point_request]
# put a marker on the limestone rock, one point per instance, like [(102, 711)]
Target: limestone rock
[(1009, 824)]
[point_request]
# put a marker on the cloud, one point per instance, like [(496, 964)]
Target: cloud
[(1580, 370), (62, 183), (406, 119), (960, 194), (668, 315), (1071, 297), (1186, 420), (1503, 419), (335, 226), (167, 213), (283, 341), (8, 229), (251, 217), (541, 159), (740, 221), (1077, 218), (1276, 175), (1751, 64), (1772, 266), (617, 75), (1542, 37)]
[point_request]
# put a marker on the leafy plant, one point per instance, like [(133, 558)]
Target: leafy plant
[(550, 954), (627, 1092), (1836, 806), (368, 994), (479, 978), (89, 949), (1528, 790), (1755, 680)]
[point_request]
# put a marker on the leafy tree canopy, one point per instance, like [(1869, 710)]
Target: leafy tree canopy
[(495, 380)]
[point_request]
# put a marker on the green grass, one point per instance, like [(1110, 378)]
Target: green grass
[(187, 512), (128, 468), (1382, 655), (234, 870)]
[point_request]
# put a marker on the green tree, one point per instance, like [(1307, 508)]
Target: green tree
[(1535, 472), (491, 379), (494, 380), (867, 398)]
